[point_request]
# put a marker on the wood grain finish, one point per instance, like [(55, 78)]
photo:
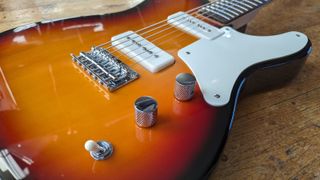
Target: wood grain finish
[(276, 134), (16, 13)]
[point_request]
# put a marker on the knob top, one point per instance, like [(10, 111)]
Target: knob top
[(184, 86), (185, 79), (146, 104), (92, 146), (146, 110), (99, 150)]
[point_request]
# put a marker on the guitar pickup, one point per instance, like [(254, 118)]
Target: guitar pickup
[(108, 70), (142, 51), (194, 26)]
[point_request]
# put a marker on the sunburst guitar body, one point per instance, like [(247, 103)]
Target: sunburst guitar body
[(119, 88)]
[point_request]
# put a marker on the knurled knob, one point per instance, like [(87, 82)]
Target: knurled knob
[(184, 87), (146, 111)]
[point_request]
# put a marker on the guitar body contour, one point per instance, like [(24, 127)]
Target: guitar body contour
[(49, 107)]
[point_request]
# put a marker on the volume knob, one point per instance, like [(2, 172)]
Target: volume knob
[(146, 111), (184, 88)]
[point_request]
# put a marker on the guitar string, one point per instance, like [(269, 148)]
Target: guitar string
[(166, 24), (176, 30), (154, 40), (118, 49), (204, 16), (126, 54), (182, 32), (146, 38), (171, 27), (152, 25)]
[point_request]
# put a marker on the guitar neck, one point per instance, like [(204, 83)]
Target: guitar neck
[(227, 11)]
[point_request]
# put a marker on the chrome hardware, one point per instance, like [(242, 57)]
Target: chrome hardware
[(146, 111), (108, 70), (184, 88), (99, 150), (9, 167)]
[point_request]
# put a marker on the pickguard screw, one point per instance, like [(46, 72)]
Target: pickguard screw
[(188, 52), (217, 96)]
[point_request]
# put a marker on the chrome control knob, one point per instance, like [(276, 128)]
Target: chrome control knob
[(146, 111), (99, 150), (184, 87)]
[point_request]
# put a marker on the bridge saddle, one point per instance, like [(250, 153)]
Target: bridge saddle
[(108, 70)]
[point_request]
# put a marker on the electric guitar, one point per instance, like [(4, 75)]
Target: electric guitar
[(148, 93)]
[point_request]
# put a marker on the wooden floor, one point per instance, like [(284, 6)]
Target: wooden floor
[(276, 135)]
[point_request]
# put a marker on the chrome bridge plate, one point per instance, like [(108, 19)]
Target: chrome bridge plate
[(108, 70)]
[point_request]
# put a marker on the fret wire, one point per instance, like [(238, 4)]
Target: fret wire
[(243, 8), (226, 9), (212, 19), (258, 1), (230, 7), (250, 2), (218, 12), (242, 2), (214, 13), (229, 4), (221, 10)]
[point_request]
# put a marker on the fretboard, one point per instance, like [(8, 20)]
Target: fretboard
[(226, 11)]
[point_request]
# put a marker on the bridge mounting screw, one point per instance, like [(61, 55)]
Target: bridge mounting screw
[(217, 96)]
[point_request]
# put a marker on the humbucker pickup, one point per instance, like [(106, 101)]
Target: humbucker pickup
[(194, 26), (142, 51), (108, 70)]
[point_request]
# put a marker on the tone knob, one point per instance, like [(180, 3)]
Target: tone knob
[(146, 111), (99, 150), (184, 87)]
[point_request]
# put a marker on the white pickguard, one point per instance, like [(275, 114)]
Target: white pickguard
[(218, 63)]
